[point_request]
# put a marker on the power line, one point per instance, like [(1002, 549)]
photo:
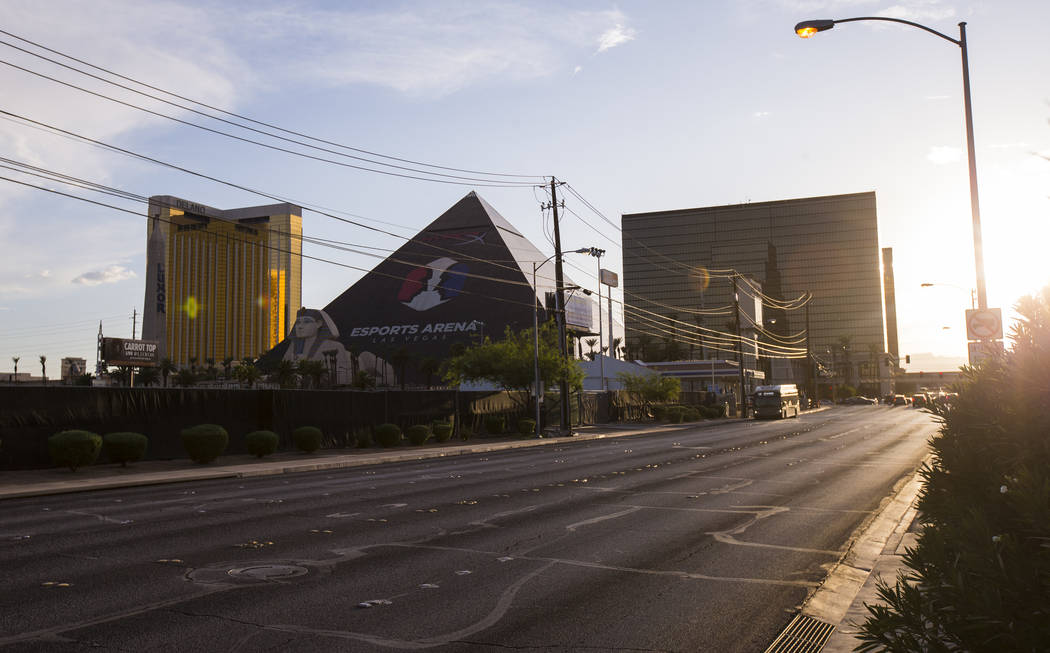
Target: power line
[(227, 112)]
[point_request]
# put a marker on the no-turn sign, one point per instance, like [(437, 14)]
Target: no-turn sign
[(984, 324)]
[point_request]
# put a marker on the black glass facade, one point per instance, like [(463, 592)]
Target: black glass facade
[(675, 264)]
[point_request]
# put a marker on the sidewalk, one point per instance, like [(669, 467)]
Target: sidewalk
[(837, 609), (55, 480)]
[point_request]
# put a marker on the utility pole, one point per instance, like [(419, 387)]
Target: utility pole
[(134, 322), (811, 391), (739, 349), (559, 281)]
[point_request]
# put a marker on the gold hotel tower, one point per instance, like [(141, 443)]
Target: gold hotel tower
[(220, 283)]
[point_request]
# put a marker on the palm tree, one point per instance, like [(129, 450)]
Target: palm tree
[(247, 373), (43, 367), (429, 367), (185, 378), (212, 372), (193, 364), (167, 367), (591, 342), (312, 370), (400, 357), (226, 364), (148, 376), (15, 359), (284, 374), (616, 342)]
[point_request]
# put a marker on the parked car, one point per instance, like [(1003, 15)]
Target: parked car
[(918, 401), (900, 400), (859, 401)]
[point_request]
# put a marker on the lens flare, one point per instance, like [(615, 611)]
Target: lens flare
[(700, 278), (190, 307)]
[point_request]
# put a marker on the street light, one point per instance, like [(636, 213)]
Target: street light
[(973, 293), (536, 333), (808, 28)]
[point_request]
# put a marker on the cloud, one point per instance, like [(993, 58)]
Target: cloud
[(938, 97), (918, 10), (577, 70), (429, 49), (942, 154), (617, 35), (760, 114), (109, 274)]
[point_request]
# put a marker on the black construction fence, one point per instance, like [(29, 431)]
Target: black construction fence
[(29, 415)]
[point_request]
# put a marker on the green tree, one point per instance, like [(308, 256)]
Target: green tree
[(247, 373), (43, 368), (185, 378), (363, 380), (591, 342), (651, 388), (312, 370), (510, 364), (211, 371), (284, 374), (147, 376), (227, 364), (167, 367), (978, 578), (429, 366), (400, 358), (617, 347)]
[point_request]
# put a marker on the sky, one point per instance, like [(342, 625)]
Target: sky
[(639, 106)]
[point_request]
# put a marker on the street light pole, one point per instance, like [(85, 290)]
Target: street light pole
[(808, 28)]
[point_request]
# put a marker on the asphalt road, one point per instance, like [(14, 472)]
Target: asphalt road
[(697, 540)]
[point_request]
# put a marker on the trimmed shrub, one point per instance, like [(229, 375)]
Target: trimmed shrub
[(204, 442), (675, 414), (714, 411), (363, 438), (691, 414), (442, 431), (494, 424), (466, 432), (74, 449), (307, 438), (660, 413), (526, 426), (388, 435), (418, 434), (124, 447), (261, 443)]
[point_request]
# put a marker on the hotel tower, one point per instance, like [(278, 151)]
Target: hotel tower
[(220, 283)]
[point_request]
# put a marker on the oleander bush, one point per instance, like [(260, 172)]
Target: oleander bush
[(388, 435), (691, 414), (494, 424), (660, 412), (125, 447), (526, 426), (307, 438), (675, 414), (978, 578), (204, 442), (442, 431), (418, 434), (74, 449), (261, 443)]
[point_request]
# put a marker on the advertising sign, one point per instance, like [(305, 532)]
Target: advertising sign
[(984, 324), (609, 278), (134, 353)]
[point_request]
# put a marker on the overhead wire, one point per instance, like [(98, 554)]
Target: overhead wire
[(247, 118)]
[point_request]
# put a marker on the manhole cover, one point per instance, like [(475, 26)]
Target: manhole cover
[(269, 572)]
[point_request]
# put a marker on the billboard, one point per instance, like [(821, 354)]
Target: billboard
[(134, 353)]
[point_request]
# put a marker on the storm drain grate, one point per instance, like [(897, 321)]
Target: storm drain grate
[(803, 635)]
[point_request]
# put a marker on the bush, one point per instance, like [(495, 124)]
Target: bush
[(691, 414), (307, 438), (363, 438), (261, 443), (714, 411), (124, 448), (978, 578), (494, 424), (466, 432), (388, 435), (418, 434), (442, 431), (74, 449), (660, 413), (204, 442), (675, 414), (526, 426)]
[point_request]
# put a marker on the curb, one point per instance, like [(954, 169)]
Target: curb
[(338, 461)]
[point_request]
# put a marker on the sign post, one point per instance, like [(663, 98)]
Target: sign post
[(984, 330)]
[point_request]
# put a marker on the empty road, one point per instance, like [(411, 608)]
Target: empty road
[(701, 539)]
